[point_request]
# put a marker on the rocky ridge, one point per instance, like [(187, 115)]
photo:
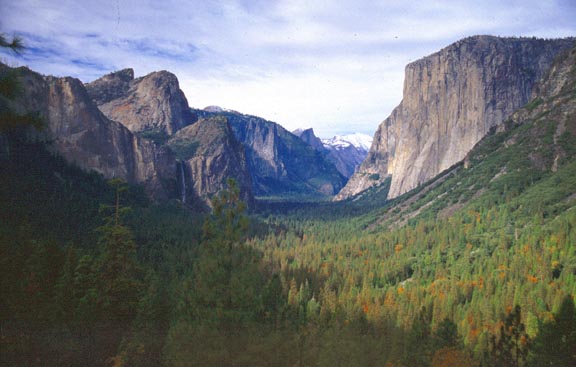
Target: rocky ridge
[(208, 155), (78, 131), (451, 100), (154, 107), (346, 152), (280, 163), (153, 103)]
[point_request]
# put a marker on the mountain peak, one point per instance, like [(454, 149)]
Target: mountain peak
[(357, 140), (215, 109), (153, 102)]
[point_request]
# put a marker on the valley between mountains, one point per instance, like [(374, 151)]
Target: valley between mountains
[(138, 231)]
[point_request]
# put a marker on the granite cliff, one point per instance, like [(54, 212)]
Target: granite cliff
[(345, 152), (280, 163), (152, 104), (452, 99), (154, 107), (76, 129), (208, 155)]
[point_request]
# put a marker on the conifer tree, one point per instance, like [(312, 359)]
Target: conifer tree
[(555, 345), (10, 89), (511, 348)]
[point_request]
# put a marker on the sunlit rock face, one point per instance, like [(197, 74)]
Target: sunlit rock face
[(210, 154), (151, 103), (451, 100), (77, 130)]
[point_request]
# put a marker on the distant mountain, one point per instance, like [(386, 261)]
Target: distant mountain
[(359, 141), (280, 163), (346, 152), (308, 136), (451, 100)]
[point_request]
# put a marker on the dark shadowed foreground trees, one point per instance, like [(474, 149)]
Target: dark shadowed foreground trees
[(555, 345)]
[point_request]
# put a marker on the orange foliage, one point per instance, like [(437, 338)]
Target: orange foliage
[(532, 279), (398, 248), (389, 301), (400, 290), (451, 357), (473, 334)]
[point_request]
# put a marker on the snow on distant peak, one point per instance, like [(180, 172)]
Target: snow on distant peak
[(358, 140), (218, 109)]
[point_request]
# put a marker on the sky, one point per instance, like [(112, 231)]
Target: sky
[(335, 66)]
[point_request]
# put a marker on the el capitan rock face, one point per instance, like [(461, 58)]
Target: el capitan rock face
[(451, 100), (80, 133), (152, 103)]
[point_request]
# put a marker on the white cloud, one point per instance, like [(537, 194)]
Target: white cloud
[(336, 66)]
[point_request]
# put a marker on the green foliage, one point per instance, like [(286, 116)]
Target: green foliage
[(223, 297), (156, 135), (10, 88), (15, 44), (531, 106), (510, 348), (555, 345), (184, 149)]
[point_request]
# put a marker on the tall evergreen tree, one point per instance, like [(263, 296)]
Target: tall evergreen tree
[(555, 344), (511, 348), (10, 88), (225, 292)]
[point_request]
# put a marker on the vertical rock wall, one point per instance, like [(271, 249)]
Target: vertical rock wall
[(451, 100)]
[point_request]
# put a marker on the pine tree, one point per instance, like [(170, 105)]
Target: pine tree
[(10, 89), (118, 269), (555, 344), (511, 348), (226, 291)]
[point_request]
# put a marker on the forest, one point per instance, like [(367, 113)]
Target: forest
[(94, 273)]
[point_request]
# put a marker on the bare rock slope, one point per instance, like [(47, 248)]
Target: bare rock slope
[(83, 135), (152, 103), (451, 100)]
